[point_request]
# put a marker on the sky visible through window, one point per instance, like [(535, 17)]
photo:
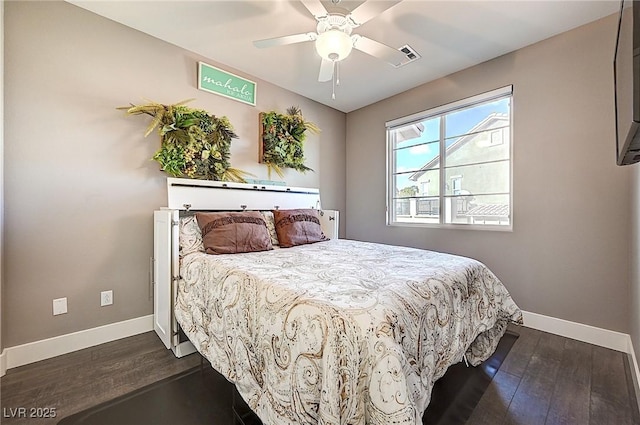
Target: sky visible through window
[(423, 149)]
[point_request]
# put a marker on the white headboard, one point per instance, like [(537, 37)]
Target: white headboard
[(206, 195), (189, 194)]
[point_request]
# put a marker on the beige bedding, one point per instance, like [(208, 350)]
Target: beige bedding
[(340, 332)]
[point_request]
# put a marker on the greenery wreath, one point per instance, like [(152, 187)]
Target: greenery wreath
[(283, 138), (192, 142)]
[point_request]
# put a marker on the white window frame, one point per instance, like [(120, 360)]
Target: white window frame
[(431, 113)]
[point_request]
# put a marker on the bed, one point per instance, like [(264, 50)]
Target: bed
[(333, 332)]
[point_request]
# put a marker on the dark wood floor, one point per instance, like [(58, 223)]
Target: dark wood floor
[(76, 381), (550, 380), (545, 379)]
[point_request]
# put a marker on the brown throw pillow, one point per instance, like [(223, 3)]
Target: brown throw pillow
[(298, 227), (234, 232)]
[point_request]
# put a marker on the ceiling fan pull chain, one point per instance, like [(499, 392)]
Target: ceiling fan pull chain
[(337, 73), (333, 80)]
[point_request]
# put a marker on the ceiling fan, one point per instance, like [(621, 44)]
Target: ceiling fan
[(333, 38)]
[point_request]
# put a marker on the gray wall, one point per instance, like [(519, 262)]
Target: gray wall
[(80, 188), (635, 261), (1, 173), (568, 255)]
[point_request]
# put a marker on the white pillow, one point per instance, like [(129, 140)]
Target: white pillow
[(271, 226)]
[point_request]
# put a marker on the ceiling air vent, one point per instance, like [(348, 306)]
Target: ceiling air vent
[(411, 55)]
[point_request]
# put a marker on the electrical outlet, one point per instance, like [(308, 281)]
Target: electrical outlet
[(106, 298), (59, 306)]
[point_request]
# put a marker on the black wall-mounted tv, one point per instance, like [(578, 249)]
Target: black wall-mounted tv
[(626, 74)]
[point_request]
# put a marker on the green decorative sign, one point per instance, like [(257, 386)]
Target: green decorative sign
[(226, 84)]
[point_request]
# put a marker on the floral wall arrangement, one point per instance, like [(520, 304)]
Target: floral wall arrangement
[(193, 143), (283, 136)]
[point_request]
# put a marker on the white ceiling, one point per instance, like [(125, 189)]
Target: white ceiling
[(449, 35)]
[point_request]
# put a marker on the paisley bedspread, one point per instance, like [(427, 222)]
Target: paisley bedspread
[(340, 332)]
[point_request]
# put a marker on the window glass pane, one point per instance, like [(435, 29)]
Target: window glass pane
[(428, 207), (428, 182), (403, 207), (485, 146), (483, 209), (423, 210), (417, 133), (405, 187), (477, 118), (415, 157), (478, 179)]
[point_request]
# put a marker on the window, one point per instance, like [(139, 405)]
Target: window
[(456, 184), (451, 165)]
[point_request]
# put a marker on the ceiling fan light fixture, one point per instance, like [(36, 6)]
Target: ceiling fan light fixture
[(334, 45)]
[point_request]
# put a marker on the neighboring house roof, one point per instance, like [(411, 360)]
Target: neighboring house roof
[(488, 210), (409, 132), (461, 141)]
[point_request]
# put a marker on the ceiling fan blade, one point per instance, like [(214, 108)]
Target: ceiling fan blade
[(381, 51), (369, 10), (326, 70), (287, 39), (315, 7)]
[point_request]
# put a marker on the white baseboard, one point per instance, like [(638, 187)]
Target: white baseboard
[(585, 333), (44, 349), (3, 362), (635, 372)]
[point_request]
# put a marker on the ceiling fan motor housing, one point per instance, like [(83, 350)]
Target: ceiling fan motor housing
[(334, 21), (334, 41)]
